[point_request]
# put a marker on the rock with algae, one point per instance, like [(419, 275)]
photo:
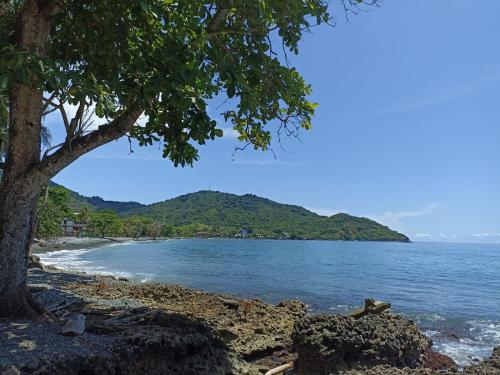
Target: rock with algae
[(329, 344)]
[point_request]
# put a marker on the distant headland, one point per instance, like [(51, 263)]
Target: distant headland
[(217, 214)]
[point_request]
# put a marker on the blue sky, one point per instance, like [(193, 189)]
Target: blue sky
[(407, 131)]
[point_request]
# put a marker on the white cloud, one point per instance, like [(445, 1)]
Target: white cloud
[(229, 133), (423, 235), (450, 237), (485, 235), (443, 94), (394, 219)]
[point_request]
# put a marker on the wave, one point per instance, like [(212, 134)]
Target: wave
[(465, 338), (481, 337), (71, 260), (66, 259)]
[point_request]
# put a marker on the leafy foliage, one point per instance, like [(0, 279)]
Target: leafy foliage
[(227, 214), (168, 59), (52, 209), (104, 223), (210, 213), (139, 226), (78, 202)]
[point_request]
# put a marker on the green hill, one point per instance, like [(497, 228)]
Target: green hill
[(212, 213), (217, 213), (77, 201)]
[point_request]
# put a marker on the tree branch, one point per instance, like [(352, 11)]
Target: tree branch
[(49, 100), (64, 117), (69, 152), (219, 16), (75, 121)]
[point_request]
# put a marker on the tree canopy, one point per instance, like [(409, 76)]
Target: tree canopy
[(166, 59), (121, 59)]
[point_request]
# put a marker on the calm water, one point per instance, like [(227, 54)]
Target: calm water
[(448, 289)]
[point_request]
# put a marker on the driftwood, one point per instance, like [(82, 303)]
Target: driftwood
[(280, 369), (37, 289), (60, 307), (123, 319), (371, 307), (75, 325)]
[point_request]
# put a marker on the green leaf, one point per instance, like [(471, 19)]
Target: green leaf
[(109, 105)]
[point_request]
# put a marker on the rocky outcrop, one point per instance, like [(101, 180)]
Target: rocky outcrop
[(34, 262), (252, 328), (328, 344), (490, 366), (437, 361), (166, 329), (147, 329), (164, 344)]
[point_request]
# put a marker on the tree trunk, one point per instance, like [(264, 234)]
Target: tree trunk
[(17, 225), (19, 192), (24, 173)]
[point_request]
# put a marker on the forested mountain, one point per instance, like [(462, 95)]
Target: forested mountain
[(228, 214), (212, 213), (78, 201)]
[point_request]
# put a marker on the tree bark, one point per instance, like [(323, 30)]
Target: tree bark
[(17, 224), (18, 195), (24, 173)]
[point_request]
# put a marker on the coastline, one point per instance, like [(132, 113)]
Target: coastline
[(145, 321), (73, 243), (138, 319), (86, 243), (82, 243), (269, 330)]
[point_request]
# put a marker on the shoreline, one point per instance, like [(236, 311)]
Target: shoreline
[(76, 244), (86, 243), (72, 243), (82, 243), (246, 336)]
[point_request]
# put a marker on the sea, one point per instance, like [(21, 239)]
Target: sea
[(451, 290)]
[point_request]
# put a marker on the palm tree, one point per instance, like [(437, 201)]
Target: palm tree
[(45, 136)]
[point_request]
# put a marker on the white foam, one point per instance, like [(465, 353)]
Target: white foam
[(428, 317), (65, 259), (484, 336), (485, 330), (71, 260)]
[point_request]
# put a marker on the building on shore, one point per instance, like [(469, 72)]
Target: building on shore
[(71, 228)]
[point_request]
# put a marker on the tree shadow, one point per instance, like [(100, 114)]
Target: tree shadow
[(117, 340)]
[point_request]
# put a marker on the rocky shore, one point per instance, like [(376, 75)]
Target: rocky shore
[(134, 328), (75, 243)]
